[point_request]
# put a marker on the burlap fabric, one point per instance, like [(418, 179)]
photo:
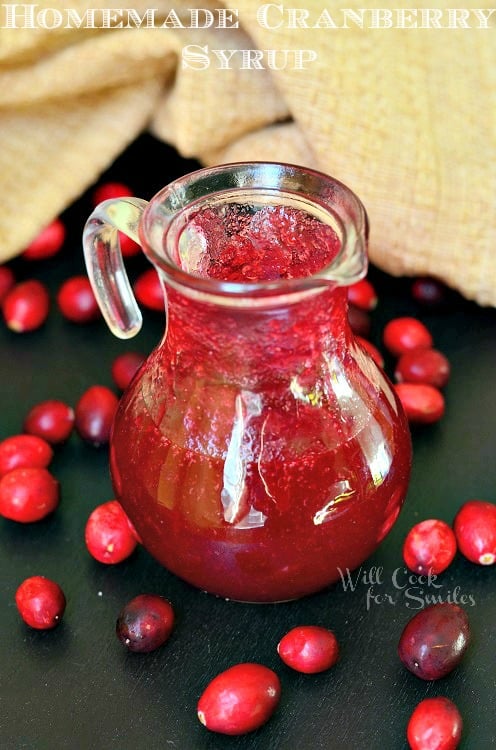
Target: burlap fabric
[(406, 117)]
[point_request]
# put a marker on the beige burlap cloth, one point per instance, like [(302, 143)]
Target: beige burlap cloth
[(405, 116)]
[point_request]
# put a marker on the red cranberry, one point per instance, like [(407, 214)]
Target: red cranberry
[(309, 649), (423, 366), (94, 414), (51, 420), (28, 495), (26, 306), (240, 699), (24, 451), (47, 243), (434, 640), (475, 531), (109, 190), (430, 546), (124, 367), (145, 623), (7, 281), (423, 404), (362, 295), (429, 292), (77, 301), (41, 602), (148, 290), (109, 534), (359, 321), (372, 350), (435, 724), (405, 334), (128, 246)]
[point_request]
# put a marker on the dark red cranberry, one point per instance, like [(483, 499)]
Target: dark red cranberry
[(148, 290), (372, 350), (51, 420), (435, 724), (475, 531), (124, 367), (26, 306), (309, 649), (110, 190), (240, 699), (435, 640), (145, 623), (429, 292), (28, 495), (429, 546), (423, 366), (363, 295), (47, 243), (128, 246), (41, 602), (94, 414), (24, 451), (405, 334), (109, 534), (77, 301), (7, 281), (359, 321), (423, 404)]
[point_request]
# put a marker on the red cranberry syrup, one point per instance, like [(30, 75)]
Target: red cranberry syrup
[(265, 438)]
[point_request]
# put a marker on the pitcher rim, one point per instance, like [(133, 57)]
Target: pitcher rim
[(176, 196)]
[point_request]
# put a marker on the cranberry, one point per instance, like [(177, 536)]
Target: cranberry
[(124, 367), (423, 366), (51, 420), (359, 321), (24, 451), (26, 306), (77, 301), (110, 190), (148, 290), (240, 699), (363, 295), (430, 546), (94, 414), (128, 246), (145, 623), (429, 292), (372, 350), (423, 404), (41, 602), (435, 724), (109, 534), (405, 334), (28, 495), (47, 243), (434, 640), (475, 531), (7, 281), (309, 649)]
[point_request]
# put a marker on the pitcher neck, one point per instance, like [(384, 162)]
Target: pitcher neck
[(246, 346)]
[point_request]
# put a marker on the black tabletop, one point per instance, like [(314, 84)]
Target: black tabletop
[(77, 687)]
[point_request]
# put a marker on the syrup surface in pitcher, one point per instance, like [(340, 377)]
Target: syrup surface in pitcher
[(259, 453), (237, 242)]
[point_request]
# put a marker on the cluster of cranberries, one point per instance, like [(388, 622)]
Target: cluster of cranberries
[(421, 371), (243, 697), (431, 545), (25, 304)]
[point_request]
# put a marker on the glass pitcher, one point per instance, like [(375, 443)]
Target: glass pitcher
[(259, 450)]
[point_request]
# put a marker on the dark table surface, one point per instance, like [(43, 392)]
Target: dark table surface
[(77, 687)]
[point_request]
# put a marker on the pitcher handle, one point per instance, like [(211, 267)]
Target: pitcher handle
[(104, 264)]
